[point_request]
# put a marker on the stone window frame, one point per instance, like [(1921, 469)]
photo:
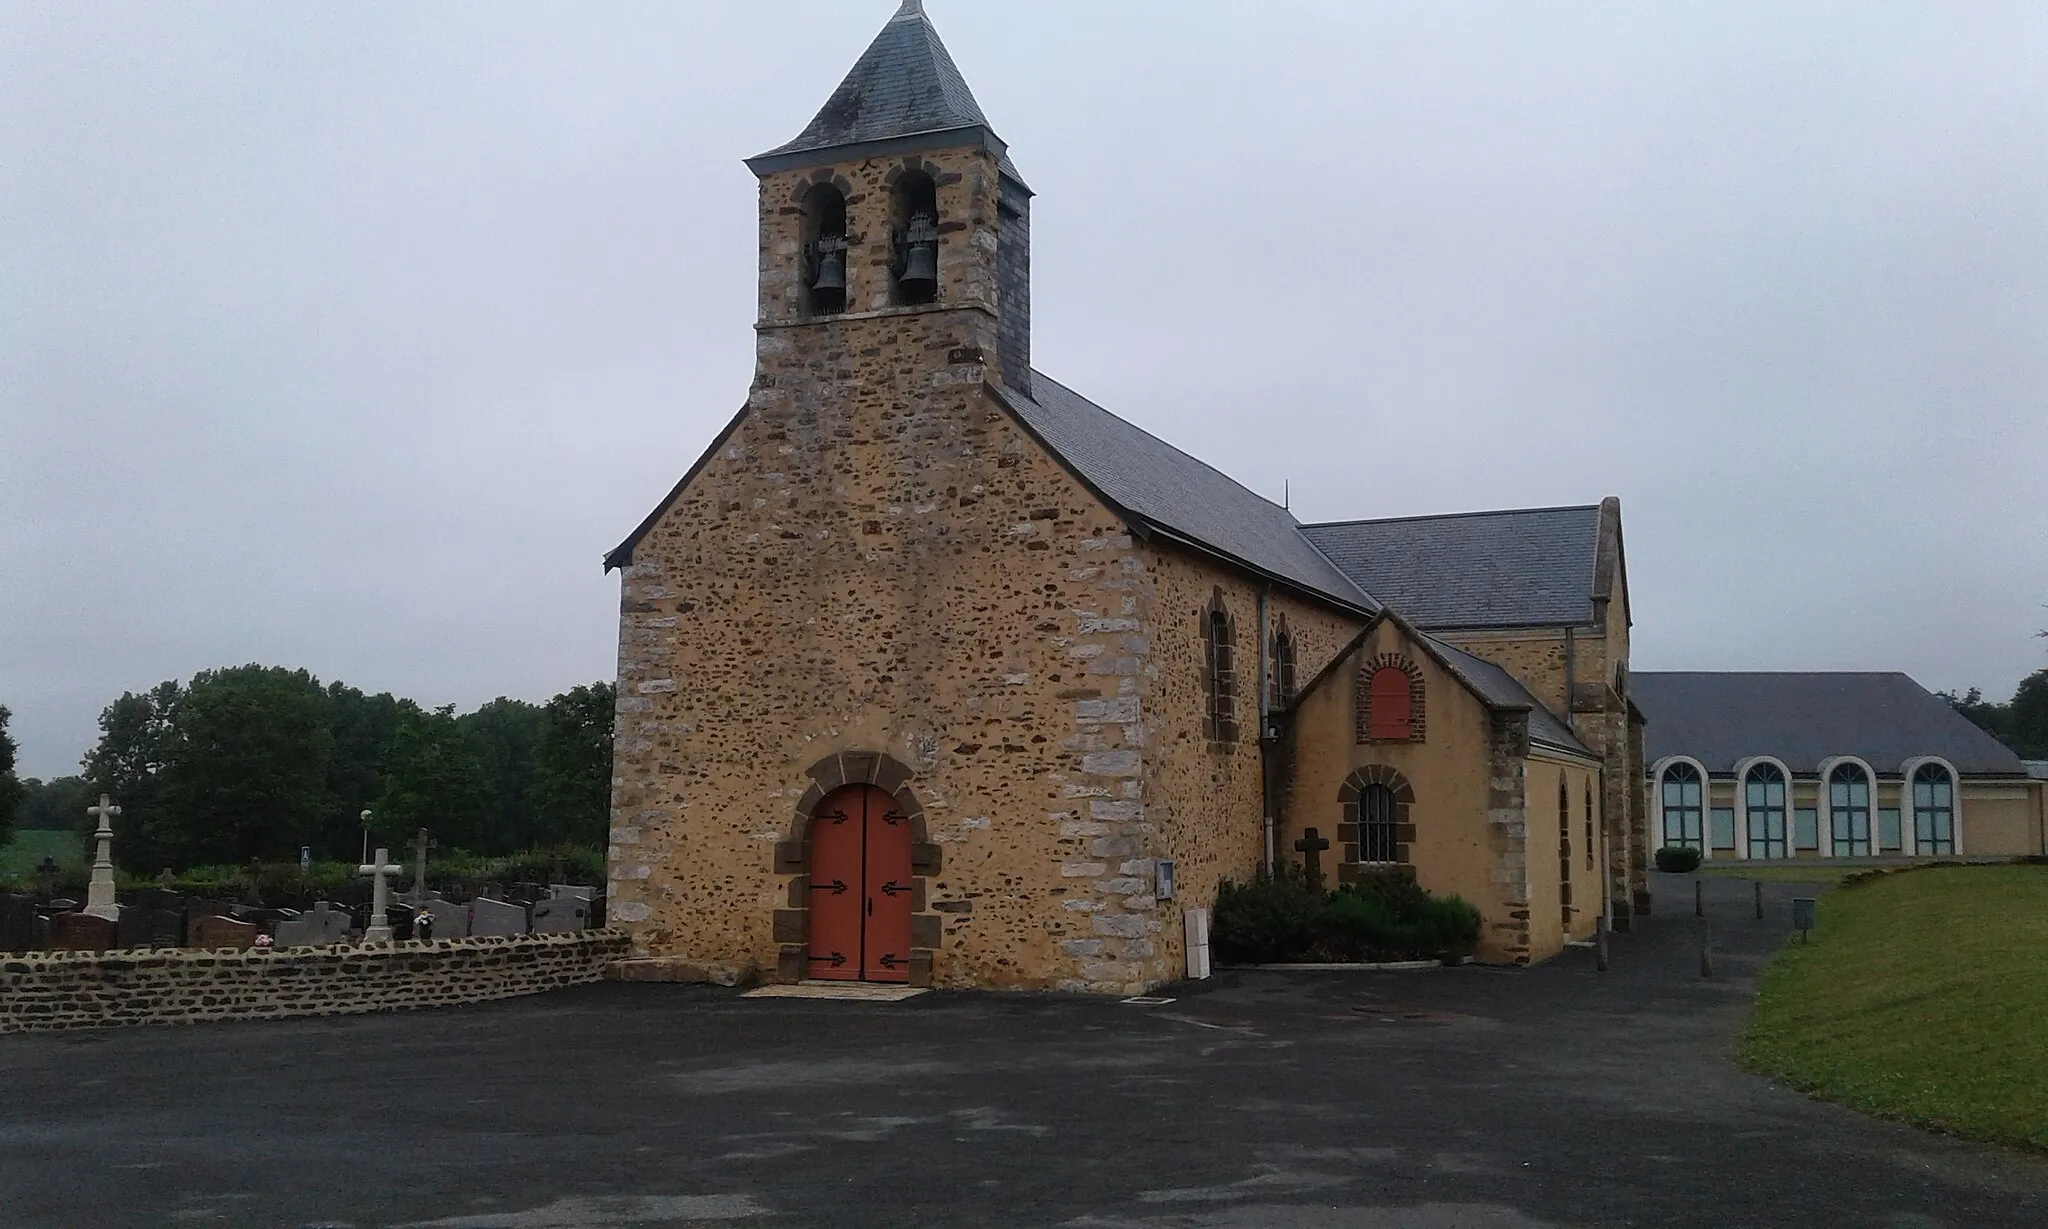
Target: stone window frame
[(1349, 868), (1281, 686), (793, 859), (1219, 670), (1418, 726)]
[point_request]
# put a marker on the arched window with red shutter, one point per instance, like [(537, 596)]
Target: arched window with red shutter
[(1391, 710)]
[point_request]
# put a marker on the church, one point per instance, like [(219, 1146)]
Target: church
[(933, 671)]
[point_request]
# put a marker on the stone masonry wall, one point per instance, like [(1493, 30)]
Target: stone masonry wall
[(1205, 800), (62, 990)]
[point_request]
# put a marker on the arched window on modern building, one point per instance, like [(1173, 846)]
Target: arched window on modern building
[(1763, 798), (1849, 811), (1934, 810), (1684, 800)]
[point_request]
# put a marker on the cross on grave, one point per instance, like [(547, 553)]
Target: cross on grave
[(420, 845), (1311, 847), (99, 894), (379, 929), (46, 878)]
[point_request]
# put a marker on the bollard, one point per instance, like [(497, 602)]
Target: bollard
[(1699, 898), (1600, 944), (1706, 950), (1759, 900)]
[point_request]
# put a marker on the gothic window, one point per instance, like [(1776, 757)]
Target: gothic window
[(1764, 801), (1684, 796), (1378, 823), (1282, 686), (824, 250), (1564, 852), (1589, 825), (1220, 670), (1388, 701), (914, 240), (1934, 809), (1849, 811)]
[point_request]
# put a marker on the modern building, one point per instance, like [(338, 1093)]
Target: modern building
[(1829, 765)]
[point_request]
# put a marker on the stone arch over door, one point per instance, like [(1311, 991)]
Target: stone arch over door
[(793, 859), (1351, 869)]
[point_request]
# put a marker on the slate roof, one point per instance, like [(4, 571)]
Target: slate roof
[(904, 85), (1159, 487), (1499, 688), (1517, 568), (1802, 719)]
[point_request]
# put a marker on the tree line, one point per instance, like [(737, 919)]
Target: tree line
[(255, 762), (2021, 723)]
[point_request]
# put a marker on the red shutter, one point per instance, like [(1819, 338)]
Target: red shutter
[(1391, 709)]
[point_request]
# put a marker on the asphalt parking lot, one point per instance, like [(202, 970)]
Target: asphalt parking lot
[(1470, 1097)]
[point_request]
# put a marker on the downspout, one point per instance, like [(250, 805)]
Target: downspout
[(1571, 716), (1265, 743)]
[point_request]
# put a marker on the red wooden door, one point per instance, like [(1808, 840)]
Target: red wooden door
[(885, 954), (860, 888)]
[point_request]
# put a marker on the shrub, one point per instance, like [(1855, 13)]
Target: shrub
[(1271, 919), (1678, 859), (1279, 918), (1396, 919)]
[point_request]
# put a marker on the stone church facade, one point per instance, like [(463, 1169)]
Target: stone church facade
[(932, 671)]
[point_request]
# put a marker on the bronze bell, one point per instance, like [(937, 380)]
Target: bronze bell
[(921, 257), (831, 267)]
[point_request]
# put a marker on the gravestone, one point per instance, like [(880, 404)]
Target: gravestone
[(319, 926), (527, 893), (496, 917), (560, 916), (46, 878), (17, 923), (562, 890), (131, 928), (81, 932), (166, 927), (451, 921), (1311, 847), (210, 932), (597, 905)]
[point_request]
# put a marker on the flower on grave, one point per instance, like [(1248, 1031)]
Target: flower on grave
[(264, 940)]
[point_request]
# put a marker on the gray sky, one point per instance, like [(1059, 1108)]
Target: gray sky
[(351, 336)]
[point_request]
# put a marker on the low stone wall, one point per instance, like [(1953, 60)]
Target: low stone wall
[(59, 990)]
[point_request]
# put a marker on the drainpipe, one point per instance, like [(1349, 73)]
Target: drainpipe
[(1265, 747), (1571, 716)]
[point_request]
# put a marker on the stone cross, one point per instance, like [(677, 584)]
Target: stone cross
[(420, 845), (1311, 847), (379, 929), (99, 894), (46, 878)]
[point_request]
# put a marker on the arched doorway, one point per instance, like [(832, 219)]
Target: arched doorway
[(861, 889)]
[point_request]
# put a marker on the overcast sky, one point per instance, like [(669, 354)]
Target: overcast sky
[(351, 336)]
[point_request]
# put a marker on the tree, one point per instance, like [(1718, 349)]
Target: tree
[(128, 765), (363, 727), (53, 805), (432, 779), (245, 768), (2020, 723), (10, 786), (573, 776), (506, 736)]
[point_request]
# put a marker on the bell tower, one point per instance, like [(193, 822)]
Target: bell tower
[(896, 216)]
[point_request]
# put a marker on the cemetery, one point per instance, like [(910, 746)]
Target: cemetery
[(160, 956)]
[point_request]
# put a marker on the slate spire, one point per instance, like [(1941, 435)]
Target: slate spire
[(903, 93)]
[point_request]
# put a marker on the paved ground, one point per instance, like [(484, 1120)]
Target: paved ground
[(1485, 1098)]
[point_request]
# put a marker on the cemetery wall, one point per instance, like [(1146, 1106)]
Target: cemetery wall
[(63, 990)]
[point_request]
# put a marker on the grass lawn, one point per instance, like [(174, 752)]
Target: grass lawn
[(20, 856), (1922, 997), (1830, 875)]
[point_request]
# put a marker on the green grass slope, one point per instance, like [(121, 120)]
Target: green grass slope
[(20, 856), (1922, 996)]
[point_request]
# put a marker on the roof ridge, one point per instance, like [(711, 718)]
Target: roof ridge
[(1867, 674), (1448, 516)]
